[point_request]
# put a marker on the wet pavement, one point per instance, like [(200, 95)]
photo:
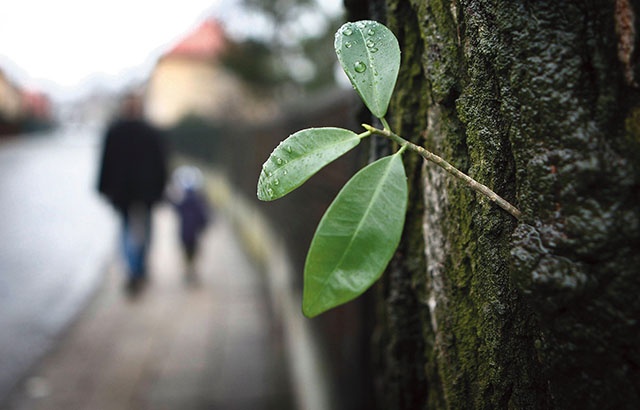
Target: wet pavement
[(208, 344), (56, 234), (180, 344)]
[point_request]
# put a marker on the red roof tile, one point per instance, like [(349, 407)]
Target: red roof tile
[(208, 41)]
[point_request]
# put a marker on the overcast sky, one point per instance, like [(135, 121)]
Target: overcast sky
[(65, 46)]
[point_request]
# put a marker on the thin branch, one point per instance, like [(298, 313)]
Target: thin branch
[(470, 182)]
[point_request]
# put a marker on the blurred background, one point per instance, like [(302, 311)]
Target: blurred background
[(225, 81)]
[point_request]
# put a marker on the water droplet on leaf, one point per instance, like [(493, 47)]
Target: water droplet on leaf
[(347, 31), (371, 32), (360, 67)]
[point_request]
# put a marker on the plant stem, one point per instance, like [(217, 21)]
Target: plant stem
[(470, 182), (385, 124)]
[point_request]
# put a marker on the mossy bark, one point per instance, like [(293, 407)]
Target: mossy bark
[(540, 102)]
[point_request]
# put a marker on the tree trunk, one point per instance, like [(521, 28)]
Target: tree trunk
[(538, 100)]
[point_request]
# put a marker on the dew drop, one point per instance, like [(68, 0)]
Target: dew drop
[(285, 172), (371, 32), (276, 181), (347, 31), (371, 43), (348, 44), (360, 67), (373, 49), (270, 192), (288, 148), (279, 161)]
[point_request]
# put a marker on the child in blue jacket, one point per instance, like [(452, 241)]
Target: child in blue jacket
[(191, 205)]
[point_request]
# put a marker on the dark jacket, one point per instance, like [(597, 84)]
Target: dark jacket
[(194, 216), (133, 168)]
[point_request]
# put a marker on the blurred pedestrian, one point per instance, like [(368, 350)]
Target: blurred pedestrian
[(187, 195), (133, 174)]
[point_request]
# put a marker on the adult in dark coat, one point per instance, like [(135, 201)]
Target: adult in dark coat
[(133, 174)]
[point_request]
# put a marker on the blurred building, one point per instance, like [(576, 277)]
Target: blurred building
[(10, 105), (37, 109), (22, 110), (190, 80)]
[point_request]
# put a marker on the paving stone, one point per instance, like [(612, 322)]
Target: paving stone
[(178, 345)]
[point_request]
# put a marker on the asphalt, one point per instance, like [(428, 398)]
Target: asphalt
[(208, 343)]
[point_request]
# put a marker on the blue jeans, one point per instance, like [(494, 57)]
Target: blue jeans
[(136, 238)]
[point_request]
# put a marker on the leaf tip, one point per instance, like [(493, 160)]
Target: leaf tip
[(308, 314), (265, 193)]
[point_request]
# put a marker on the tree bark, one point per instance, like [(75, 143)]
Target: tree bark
[(538, 100)]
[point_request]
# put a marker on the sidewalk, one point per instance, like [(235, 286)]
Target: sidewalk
[(210, 345)]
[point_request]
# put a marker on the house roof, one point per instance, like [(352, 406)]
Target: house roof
[(207, 41)]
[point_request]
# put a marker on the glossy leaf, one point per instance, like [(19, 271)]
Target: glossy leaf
[(370, 56), (356, 237), (300, 156)]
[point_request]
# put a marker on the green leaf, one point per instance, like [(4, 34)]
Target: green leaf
[(299, 157), (370, 56), (356, 237)]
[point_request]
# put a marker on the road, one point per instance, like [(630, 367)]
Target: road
[(57, 236)]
